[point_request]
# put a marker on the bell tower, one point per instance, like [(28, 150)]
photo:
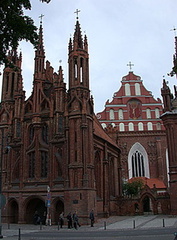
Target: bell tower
[(81, 189)]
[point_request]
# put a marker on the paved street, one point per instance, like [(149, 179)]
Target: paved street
[(149, 227)]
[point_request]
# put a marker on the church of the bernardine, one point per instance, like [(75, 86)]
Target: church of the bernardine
[(58, 156)]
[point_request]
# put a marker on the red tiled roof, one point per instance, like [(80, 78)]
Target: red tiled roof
[(150, 182)]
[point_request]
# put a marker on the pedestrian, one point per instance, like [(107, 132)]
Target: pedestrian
[(61, 219), (92, 218), (69, 219), (37, 218), (76, 220)]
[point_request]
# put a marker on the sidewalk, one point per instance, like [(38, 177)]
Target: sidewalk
[(112, 223)]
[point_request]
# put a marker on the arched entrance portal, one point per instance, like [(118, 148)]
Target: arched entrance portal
[(13, 212), (59, 209), (147, 205), (34, 205)]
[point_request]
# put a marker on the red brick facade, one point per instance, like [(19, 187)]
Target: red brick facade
[(132, 119), (55, 155)]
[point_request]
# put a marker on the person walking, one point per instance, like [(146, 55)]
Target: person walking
[(92, 218), (75, 220), (61, 219), (69, 219)]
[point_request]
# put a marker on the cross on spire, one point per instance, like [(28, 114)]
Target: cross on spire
[(174, 29), (77, 13), (41, 16), (130, 65)]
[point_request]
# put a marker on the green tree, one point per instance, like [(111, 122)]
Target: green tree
[(133, 188), (15, 26)]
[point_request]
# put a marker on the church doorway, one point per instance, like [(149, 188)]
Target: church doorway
[(59, 209), (147, 205), (13, 212), (33, 206)]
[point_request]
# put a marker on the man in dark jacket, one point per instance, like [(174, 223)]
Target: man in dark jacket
[(92, 218)]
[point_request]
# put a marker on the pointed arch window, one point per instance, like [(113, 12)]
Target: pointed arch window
[(44, 164), (31, 134), (31, 165), (45, 132), (138, 163)]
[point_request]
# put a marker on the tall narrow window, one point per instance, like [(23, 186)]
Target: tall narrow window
[(44, 164), (148, 113), (45, 133), (31, 134), (31, 165), (18, 129), (81, 70), (137, 89), (157, 113), (75, 69), (149, 126), (121, 127), (140, 126), (127, 89), (60, 124), (138, 165), (120, 113), (111, 114), (131, 126)]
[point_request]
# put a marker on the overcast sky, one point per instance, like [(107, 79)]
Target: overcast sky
[(118, 31)]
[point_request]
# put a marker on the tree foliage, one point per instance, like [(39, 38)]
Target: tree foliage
[(133, 188), (15, 26)]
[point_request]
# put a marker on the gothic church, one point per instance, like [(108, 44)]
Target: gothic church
[(55, 155)]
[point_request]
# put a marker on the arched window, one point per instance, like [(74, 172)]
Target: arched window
[(138, 163), (120, 113), (148, 113), (44, 164), (131, 126), (121, 127), (31, 164), (149, 126), (137, 89), (140, 126), (127, 89), (103, 125), (157, 113), (31, 134), (158, 125), (111, 114), (45, 133)]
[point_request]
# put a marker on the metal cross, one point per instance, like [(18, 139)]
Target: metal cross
[(130, 65), (174, 29), (77, 12), (41, 16)]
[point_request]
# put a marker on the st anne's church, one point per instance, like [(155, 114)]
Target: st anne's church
[(59, 156)]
